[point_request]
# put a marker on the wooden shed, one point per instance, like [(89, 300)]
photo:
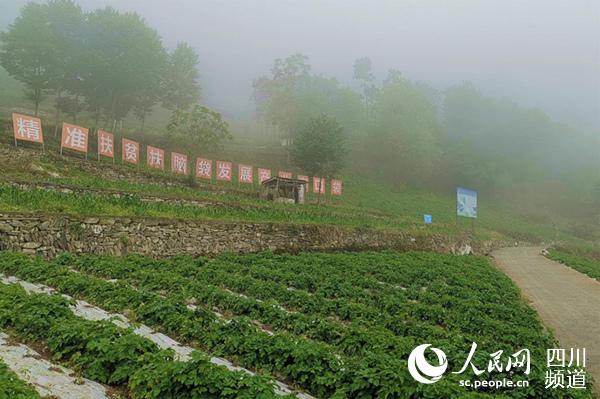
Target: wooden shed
[(281, 189)]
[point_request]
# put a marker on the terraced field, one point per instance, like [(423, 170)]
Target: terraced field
[(366, 203), (259, 326)]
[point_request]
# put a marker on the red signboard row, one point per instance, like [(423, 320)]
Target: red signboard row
[(76, 138)]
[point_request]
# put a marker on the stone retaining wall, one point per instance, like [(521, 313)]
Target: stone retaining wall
[(49, 235)]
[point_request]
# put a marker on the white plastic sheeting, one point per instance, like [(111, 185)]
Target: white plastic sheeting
[(47, 378), (89, 312)]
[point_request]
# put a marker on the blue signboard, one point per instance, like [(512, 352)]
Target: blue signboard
[(466, 202), (427, 219)]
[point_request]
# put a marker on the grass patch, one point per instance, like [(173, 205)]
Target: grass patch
[(586, 262)]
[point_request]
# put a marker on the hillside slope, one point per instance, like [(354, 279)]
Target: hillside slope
[(122, 190)]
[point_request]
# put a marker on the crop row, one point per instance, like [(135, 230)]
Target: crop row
[(312, 366), (293, 300), (371, 373), (436, 289), (479, 303), (462, 295), (352, 339), (108, 354)]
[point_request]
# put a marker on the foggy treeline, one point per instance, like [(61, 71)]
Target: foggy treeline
[(407, 132), (109, 66)]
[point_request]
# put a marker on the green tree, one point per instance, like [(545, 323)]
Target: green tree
[(200, 126), (404, 138), (145, 101), (26, 51), (66, 19), (364, 74), (276, 95), (124, 58), (180, 85), (320, 147), (42, 49), (291, 96)]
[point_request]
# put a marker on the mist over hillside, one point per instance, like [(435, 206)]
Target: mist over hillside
[(543, 54), (418, 99)]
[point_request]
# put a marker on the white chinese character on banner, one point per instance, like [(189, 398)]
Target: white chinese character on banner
[(155, 157), (28, 128), (204, 168), (106, 144), (180, 164), (224, 171), (246, 174), (75, 137), (131, 152)]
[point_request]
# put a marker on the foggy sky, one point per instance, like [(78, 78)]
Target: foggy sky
[(543, 53)]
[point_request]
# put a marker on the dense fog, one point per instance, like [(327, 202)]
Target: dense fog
[(539, 53)]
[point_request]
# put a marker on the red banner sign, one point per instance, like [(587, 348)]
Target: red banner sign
[(204, 168), (245, 174), (283, 173), (179, 163), (263, 174), (224, 170), (131, 151), (318, 185), (336, 187), (106, 144), (155, 157), (74, 137), (27, 128)]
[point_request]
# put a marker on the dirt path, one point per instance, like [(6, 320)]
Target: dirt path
[(567, 301)]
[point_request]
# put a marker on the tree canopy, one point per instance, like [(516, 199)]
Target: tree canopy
[(199, 126), (104, 61), (292, 95), (319, 147)]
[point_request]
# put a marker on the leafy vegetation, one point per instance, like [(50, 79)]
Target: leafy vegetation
[(108, 354), (319, 148), (39, 200), (11, 387), (358, 315), (200, 126)]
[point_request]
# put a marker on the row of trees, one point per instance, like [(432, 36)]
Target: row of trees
[(105, 62), (408, 132), (392, 127)]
